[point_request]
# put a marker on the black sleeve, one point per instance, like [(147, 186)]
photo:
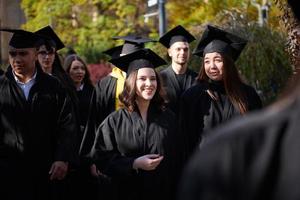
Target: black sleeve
[(105, 152)]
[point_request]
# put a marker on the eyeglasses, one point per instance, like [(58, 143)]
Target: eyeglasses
[(44, 53), (15, 53)]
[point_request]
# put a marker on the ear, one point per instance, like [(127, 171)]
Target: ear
[(170, 52)]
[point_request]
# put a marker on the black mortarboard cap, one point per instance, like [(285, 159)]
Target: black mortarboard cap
[(50, 37), (217, 40), (114, 52), (177, 34), (132, 43), (139, 59), (22, 38)]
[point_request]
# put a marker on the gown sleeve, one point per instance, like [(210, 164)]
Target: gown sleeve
[(105, 152)]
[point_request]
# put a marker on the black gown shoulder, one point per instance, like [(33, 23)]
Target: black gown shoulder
[(251, 158)]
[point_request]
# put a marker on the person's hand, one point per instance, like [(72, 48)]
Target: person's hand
[(94, 171), (58, 170), (147, 162)]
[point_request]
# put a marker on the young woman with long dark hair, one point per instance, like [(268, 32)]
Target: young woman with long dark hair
[(220, 93)]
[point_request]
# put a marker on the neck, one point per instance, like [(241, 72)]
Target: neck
[(143, 106), (25, 77), (47, 70), (77, 85), (179, 68)]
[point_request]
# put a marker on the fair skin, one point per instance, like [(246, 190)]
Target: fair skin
[(77, 72), (22, 61), (213, 65), (46, 58), (146, 86), (180, 54)]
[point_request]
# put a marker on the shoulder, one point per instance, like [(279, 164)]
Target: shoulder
[(165, 71), (192, 73), (196, 90), (105, 84), (253, 130), (248, 88), (253, 98), (106, 81), (118, 115)]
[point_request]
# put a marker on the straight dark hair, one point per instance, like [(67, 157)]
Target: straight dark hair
[(232, 83), (128, 96), (67, 66)]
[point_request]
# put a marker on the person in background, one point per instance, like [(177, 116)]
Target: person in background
[(132, 145), (177, 77), (105, 98), (37, 125), (50, 61), (81, 182), (78, 71), (220, 93), (256, 157)]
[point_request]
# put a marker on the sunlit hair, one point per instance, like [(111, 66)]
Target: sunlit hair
[(128, 96), (67, 66), (232, 83)]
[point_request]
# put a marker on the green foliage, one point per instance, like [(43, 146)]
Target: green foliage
[(88, 25)]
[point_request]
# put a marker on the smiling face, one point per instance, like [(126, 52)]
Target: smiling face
[(22, 61), (213, 65), (146, 84), (77, 71), (179, 52)]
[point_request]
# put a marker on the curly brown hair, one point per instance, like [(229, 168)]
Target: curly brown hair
[(128, 96)]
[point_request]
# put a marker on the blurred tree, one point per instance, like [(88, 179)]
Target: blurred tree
[(87, 25)]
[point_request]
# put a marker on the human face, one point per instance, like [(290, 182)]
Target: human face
[(179, 52), (46, 57), (146, 84), (213, 65), (77, 71), (22, 60)]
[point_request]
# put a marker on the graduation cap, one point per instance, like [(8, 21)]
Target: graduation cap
[(50, 37), (22, 39), (137, 60), (177, 34), (217, 40), (132, 43), (114, 52)]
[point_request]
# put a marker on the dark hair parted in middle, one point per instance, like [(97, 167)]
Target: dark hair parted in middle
[(232, 83), (68, 63), (128, 96)]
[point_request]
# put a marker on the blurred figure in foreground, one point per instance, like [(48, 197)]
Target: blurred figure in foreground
[(253, 158)]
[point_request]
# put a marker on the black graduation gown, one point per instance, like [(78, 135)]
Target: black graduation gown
[(253, 158), (173, 87), (33, 134), (121, 138), (84, 100), (199, 113), (102, 104)]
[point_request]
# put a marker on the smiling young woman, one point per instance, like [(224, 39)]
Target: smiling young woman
[(220, 93), (132, 144)]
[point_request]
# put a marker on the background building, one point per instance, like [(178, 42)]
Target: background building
[(11, 16)]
